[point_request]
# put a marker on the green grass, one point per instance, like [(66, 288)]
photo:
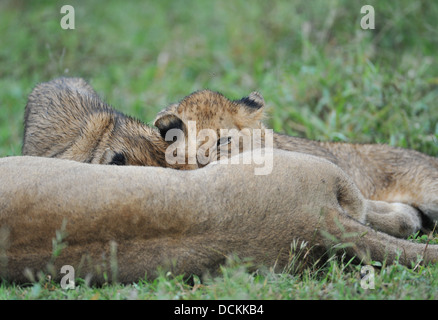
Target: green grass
[(337, 279), (322, 76)]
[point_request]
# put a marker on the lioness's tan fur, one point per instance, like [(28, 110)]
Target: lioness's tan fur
[(380, 172), (127, 221)]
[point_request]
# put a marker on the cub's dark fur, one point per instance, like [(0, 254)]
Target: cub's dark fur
[(65, 118)]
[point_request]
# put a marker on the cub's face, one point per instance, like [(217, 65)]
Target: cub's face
[(207, 126)]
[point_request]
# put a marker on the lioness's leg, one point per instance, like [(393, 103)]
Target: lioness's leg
[(391, 174), (414, 181), (416, 186), (397, 219)]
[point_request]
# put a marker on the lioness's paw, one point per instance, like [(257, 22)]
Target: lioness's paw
[(397, 219), (409, 219)]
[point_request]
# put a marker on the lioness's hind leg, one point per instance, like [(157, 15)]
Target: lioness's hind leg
[(397, 219), (414, 180), (422, 195)]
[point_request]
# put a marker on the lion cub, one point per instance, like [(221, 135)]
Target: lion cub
[(65, 118), (381, 172)]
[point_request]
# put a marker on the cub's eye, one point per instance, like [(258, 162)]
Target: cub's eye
[(223, 141)]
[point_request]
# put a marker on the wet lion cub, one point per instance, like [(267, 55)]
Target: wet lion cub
[(65, 118)]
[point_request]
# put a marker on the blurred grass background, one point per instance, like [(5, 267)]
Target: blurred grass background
[(322, 76)]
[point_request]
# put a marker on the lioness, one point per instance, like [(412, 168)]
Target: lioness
[(157, 219), (65, 118), (380, 172)]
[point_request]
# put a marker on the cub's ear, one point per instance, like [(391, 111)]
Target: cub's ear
[(167, 120), (252, 108), (252, 102)]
